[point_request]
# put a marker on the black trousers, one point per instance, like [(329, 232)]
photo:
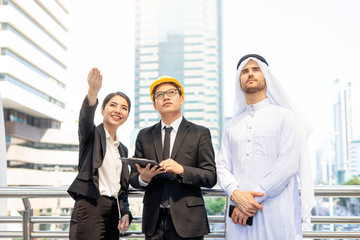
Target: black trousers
[(165, 229), (94, 219)]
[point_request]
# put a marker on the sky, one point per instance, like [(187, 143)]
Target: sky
[(308, 44)]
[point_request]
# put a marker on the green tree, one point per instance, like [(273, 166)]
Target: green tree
[(354, 181), (215, 206)]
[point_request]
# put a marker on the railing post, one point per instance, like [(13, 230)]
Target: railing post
[(27, 214)]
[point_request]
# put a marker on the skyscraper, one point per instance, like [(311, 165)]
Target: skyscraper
[(355, 156), (181, 39), (345, 111), (33, 64)]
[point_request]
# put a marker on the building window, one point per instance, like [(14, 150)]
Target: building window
[(31, 89), (43, 123), (32, 21)]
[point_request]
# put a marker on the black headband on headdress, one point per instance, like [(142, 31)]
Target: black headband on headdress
[(251, 55)]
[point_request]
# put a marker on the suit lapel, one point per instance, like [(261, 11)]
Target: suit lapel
[(156, 135), (180, 137), (103, 140), (121, 151), (122, 154)]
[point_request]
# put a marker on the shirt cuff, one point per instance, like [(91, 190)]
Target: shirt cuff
[(142, 183), (230, 189), (260, 190)]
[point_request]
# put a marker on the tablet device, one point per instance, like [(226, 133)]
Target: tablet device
[(141, 161)]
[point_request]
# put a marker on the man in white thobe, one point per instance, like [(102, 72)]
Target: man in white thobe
[(263, 151)]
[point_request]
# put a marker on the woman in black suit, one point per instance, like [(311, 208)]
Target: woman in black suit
[(100, 189)]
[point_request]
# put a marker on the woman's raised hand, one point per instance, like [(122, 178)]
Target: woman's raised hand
[(95, 81)]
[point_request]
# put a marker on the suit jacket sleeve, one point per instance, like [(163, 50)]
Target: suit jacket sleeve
[(86, 127), (203, 174), (134, 175)]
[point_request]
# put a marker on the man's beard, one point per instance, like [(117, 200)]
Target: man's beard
[(253, 89)]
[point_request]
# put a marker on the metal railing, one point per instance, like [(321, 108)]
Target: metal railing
[(28, 220)]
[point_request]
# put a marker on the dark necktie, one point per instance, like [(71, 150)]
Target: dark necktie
[(166, 149), (166, 155)]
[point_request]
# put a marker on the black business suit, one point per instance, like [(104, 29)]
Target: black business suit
[(194, 151), (92, 148)]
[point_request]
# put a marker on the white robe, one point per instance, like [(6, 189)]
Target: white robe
[(260, 151)]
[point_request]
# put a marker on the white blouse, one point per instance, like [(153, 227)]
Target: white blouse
[(110, 170)]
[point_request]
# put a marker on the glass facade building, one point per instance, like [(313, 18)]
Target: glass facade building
[(33, 63), (346, 135), (181, 39)]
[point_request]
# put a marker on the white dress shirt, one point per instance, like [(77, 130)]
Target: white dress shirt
[(260, 151), (110, 170)]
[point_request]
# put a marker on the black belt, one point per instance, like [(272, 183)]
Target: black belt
[(164, 211), (111, 198), (79, 196)]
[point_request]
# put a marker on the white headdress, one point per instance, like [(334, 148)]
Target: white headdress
[(276, 94)]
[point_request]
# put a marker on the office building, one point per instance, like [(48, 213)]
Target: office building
[(181, 39), (355, 158), (345, 114), (33, 64)]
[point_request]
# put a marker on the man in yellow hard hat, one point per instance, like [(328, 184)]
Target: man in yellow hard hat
[(173, 205)]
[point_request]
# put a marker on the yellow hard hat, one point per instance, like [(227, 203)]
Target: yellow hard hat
[(165, 79)]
